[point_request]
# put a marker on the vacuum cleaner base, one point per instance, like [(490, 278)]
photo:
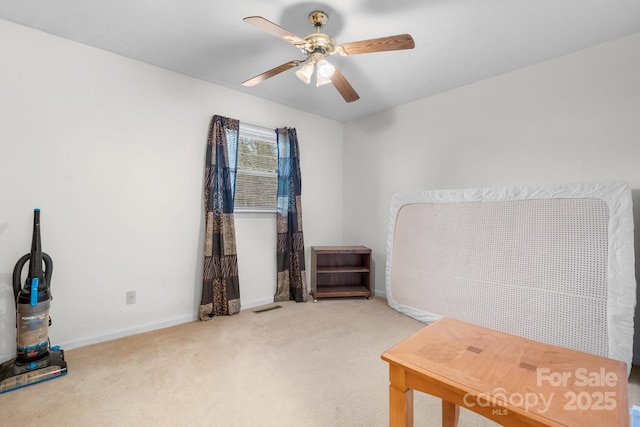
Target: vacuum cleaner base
[(14, 376)]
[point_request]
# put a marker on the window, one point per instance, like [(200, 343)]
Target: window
[(257, 173)]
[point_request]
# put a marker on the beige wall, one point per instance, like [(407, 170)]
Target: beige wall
[(575, 118), (112, 151)]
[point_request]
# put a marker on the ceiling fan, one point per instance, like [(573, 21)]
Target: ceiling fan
[(317, 46)]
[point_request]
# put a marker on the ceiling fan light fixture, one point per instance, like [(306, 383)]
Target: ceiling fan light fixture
[(324, 71), (305, 72), (317, 46)]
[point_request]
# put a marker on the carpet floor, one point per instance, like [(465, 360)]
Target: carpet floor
[(297, 365)]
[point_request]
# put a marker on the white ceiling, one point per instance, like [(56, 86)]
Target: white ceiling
[(458, 42)]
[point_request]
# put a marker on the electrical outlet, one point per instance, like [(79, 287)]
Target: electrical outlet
[(131, 297)]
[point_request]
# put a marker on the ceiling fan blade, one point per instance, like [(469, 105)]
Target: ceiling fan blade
[(272, 72), (346, 90), (275, 29), (382, 44)]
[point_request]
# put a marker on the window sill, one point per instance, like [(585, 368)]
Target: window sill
[(255, 213)]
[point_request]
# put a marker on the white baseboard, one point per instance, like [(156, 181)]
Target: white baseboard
[(382, 293), (81, 342), (255, 303), (68, 345)]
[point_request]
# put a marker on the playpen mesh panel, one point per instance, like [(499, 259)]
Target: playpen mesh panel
[(535, 268)]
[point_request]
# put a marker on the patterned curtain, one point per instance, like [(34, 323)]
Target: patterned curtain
[(292, 284), (220, 286)]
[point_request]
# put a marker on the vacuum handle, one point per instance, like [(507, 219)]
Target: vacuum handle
[(48, 268), (17, 272)]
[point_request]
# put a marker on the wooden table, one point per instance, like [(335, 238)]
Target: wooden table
[(511, 380)]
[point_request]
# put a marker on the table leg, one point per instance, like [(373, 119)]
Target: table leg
[(450, 414), (400, 399), (400, 407)]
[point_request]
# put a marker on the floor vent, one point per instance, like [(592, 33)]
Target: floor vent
[(262, 310)]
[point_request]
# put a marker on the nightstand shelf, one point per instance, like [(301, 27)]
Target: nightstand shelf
[(340, 271)]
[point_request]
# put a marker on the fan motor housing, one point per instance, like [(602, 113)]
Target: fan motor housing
[(319, 43)]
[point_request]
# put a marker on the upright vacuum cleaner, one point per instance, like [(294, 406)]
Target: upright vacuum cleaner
[(35, 360)]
